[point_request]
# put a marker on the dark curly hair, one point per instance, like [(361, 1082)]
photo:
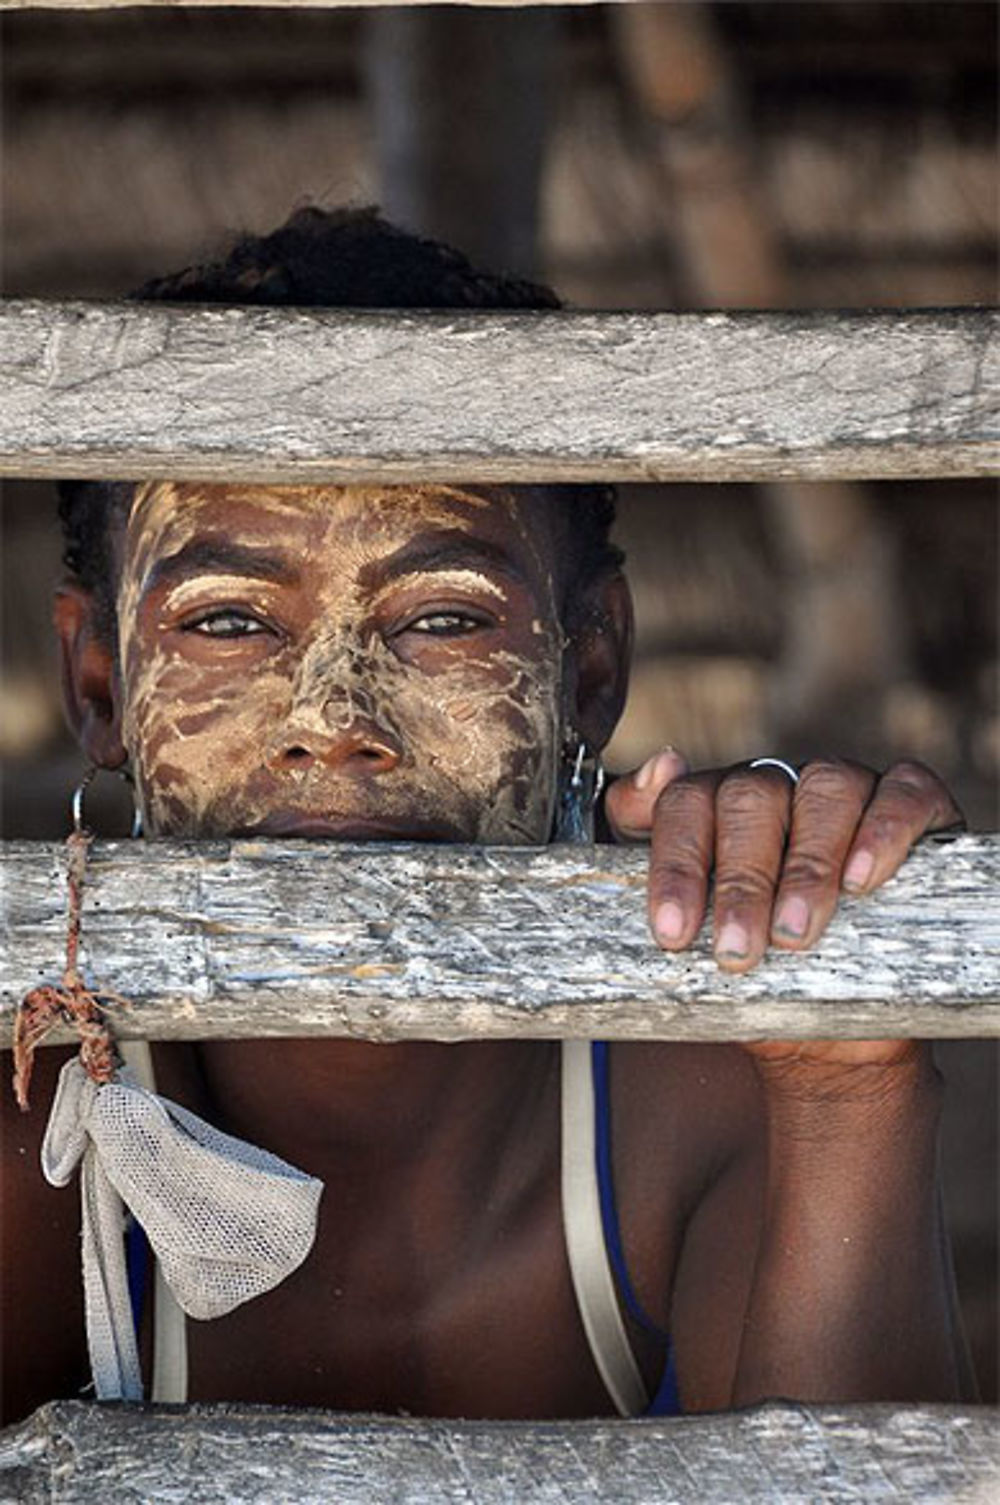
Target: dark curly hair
[(345, 258)]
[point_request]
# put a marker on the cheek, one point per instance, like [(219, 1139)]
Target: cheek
[(190, 744), (496, 741), (481, 741)]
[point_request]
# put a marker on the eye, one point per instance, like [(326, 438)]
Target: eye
[(446, 624), (226, 622)]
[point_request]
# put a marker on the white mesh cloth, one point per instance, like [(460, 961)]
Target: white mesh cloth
[(227, 1221)]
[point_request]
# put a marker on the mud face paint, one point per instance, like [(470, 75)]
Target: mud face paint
[(356, 657)]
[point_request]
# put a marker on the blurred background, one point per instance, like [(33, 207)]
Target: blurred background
[(679, 155)]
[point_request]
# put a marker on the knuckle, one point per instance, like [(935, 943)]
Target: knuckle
[(829, 781), (683, 800), (913, 777), (827, 778), (905, 794), (748, 793), (810, 869), (746, 889), (685, 863), (919, 794)]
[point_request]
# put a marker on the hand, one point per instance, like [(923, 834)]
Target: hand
[(781, 853)]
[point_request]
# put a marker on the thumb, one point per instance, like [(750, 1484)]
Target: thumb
[(631, 800)]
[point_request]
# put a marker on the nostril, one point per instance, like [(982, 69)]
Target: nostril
[(353, 748)]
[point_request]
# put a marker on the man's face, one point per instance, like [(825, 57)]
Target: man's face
[(350, 661)]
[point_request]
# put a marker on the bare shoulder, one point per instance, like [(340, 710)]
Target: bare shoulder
[(42, 1343)]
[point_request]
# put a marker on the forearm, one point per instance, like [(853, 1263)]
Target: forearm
[(851, 1292)]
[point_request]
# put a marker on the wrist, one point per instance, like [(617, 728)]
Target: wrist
[(808, 1097)]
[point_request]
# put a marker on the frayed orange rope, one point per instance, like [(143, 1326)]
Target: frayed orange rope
[(71, 1002)]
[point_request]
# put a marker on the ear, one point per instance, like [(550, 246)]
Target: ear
[(89, 677), (602, 650)]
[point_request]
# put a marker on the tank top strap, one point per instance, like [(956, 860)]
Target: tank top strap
[(170, 1360)]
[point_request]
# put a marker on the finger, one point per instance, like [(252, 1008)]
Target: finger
[(753, 810), (680, 860), (630, 802), (909, 800), (829, 802)]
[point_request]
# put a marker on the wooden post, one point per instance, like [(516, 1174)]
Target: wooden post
[(250, 938), (461, 100), (775, 1454), (285, 395), (842, 643)]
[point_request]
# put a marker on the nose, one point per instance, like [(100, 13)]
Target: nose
[(336, 718), (357, 746)]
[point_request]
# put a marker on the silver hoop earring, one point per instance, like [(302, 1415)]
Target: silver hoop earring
[(76, 805), (581, 779)]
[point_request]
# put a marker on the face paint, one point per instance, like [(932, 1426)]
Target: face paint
[(341, 660)]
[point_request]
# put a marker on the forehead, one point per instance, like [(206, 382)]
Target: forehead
[(355, 521)]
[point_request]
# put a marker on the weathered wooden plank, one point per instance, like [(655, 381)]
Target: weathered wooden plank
[(776, 1453), (136, 391), (275, 4), (441, 942)]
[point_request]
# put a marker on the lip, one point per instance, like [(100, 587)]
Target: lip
[(320, 828)]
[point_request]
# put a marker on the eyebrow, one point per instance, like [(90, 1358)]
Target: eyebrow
[(221, 556), (442, 551)]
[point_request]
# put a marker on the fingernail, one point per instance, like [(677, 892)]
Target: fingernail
[(668, 922), (792, 918), (859, 870), (733, 940), (656, 768)]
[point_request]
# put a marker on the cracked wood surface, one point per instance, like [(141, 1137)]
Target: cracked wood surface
[(275, 4), (138, 391), (248, 938), (774, 1454)]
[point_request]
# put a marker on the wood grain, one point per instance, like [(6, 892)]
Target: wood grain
[(274, 4), (228, 939), (73, 1452), (138, 391)]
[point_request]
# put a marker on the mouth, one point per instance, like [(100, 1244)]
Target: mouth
[(320, 828)]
